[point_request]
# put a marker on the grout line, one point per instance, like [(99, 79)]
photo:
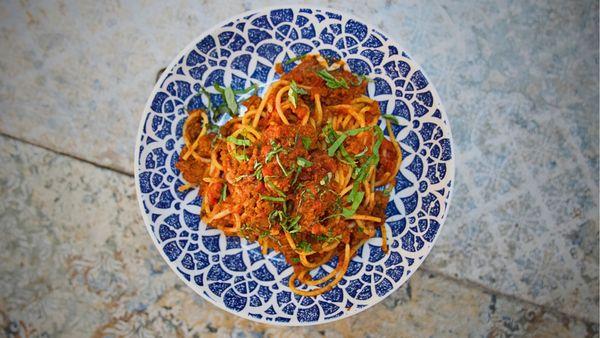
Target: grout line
[(464, 282), (486, 289), (75, 157)]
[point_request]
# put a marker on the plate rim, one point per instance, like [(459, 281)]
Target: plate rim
[(147, 106)]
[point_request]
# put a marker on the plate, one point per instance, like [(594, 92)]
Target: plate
[(231, 272)]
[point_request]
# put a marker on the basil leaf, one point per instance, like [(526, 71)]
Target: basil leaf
[(304, 246), (277, 148), (354, 132), (246, 90), (306, 141), (360, 80), (219, 88), (258, 171), (356, 200), (237, 141), (391, 118), (331, 150), (285, 173), (275, 188), (304, 163), (223, 192), (331, 81), (347, 156), (230, 100), (295, 58), (292, 225), (272, 199), (293, 93), (241, 157)]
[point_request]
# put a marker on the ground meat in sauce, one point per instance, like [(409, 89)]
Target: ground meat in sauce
[(308, 191)]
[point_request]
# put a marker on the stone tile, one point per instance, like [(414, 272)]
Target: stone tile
[(74, 246), (80, 86), (519, 81)]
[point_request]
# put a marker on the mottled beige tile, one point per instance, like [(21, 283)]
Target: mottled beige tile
[(519, 81), (77, 261)]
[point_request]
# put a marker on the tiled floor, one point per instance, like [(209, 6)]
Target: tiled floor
[(518, 254)]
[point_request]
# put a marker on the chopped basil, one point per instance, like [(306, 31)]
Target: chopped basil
[(391, 118), (264, 234), (329, 238), (340, 139), (294, 92), (298, 170), (362, 153), (240, 157), (223, 193), (237, 141), (277, 148), (230, 100), (246, 90), (277, 214), (275, 188), (258, 171), (295, 260), (304, 163), (306, 141), (304, 246), (331, 81), (326, 179), (360, 80), (241, 177), (272, 199), (285, 173), (354, 132), (294, 59), (331, 150), (356, 200), (292, 225), (388, 190)]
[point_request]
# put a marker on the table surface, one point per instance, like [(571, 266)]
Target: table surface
[(518, 254)]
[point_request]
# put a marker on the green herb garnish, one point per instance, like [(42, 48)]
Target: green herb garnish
[(223, 193), (240, 157), (274, 187), (272, 199), (326, 179), (294, 59), (285, 173), (295, 260), (331, 81), (292, 225), (294, 92), (277, 214), (304, 246), (354, 132), (277, 148), (391, 118), (362, 153), (356, 199), (304, 163), (237, 141), (258, 171), (230, 100), (332, 149), (360, 80), (306, 141)]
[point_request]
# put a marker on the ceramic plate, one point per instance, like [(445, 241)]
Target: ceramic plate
[(231, 272)]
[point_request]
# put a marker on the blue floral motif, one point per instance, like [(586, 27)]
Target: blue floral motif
[(232, 273)]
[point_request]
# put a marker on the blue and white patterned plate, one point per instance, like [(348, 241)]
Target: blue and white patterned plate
[(231, 272)]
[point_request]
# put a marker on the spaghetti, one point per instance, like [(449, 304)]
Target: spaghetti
[(305, 171)]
